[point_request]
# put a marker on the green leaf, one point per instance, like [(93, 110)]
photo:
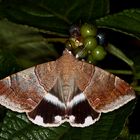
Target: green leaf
[(127, 22), (118, 53), (129, 137), (17, 127), (133, 137), (22, 46), (124, 72), (53, 15)]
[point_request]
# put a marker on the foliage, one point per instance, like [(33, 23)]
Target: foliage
[(33, 32)]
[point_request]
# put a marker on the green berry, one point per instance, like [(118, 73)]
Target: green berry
[(90, 43), (90, 59), (99, 53), (88, 30)]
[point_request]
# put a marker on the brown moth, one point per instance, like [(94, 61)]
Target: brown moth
[(65, 90)]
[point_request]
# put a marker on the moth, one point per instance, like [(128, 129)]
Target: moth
[(65, 90)]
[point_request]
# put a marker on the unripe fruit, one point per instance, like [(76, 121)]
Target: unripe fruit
[(88, 30), (99, 53), (90, 43), (90, 59)]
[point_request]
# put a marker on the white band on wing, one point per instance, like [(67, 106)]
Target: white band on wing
[(76, 99), (53, 99)]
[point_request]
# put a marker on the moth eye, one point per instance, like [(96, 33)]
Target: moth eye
[(102, 38), (74, 31)]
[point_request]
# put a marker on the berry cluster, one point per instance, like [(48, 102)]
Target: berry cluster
[(85, 42)]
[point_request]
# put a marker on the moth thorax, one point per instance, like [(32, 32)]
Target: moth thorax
[(67, 93)]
